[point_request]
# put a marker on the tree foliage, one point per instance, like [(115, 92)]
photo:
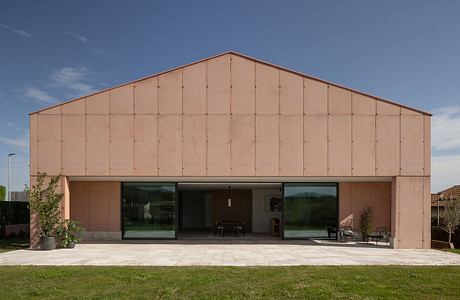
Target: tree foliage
[(44, 202), (367, 218), (2, 193), (450, 218)]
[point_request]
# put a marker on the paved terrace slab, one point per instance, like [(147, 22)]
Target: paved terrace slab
[(208, 254)]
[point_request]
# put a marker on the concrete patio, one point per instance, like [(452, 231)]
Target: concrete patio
[(226, 254)]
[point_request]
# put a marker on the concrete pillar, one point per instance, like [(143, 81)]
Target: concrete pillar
[(65, 205), (411, 212)]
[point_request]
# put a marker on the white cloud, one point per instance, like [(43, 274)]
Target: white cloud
[(79, 37), (19, 171), (39, 96), (446, 128), (445, 172), (69, 82), (16, 31), (20, 143), (13, 125), (445, 143), (73, 79), (100, 52)]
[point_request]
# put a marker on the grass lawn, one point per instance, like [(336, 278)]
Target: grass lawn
[(452, 250), (324, 282), (11, 244)]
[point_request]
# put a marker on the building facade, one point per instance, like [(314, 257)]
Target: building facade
[(439, 201), (232, 137)]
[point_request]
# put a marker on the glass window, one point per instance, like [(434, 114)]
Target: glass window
[(310, 210), (149, 210)]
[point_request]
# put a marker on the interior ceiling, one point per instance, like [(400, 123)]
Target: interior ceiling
[(207, 186)]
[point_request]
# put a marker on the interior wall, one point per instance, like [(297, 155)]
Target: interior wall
[(260, 216), (241, 206), (354, 197), (194, 210)]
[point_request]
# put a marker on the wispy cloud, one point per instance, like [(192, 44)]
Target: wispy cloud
[(73, 79), (100, 52), (17, 31), (446, 128), (20, 143), (12, 125), (445, 172), (79, 37), (39, 96), (445, 143)]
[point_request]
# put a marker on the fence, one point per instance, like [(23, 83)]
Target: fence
[(440, 235), (14, 212)]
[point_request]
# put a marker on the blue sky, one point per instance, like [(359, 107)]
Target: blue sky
[(407, 51)]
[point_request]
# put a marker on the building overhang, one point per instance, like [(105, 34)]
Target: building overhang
[(234, 179)]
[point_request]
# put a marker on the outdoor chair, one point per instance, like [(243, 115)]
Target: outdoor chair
[(381, 234), (219, 227), (348, 234), (240, 228), (332, 232)]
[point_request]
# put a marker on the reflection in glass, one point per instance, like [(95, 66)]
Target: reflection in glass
[(310, 210), (149, 210)]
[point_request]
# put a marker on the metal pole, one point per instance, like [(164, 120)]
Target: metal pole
[(439, 197), (9, 171), (8, 185), (438, 211)]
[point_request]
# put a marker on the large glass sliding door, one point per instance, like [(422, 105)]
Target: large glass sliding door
[(148, 210), (310, 209)]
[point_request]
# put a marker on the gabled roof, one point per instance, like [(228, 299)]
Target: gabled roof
[(246, 57)]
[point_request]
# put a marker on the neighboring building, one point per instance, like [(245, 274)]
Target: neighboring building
[(447, 194), (439, 200), (22, 196), (232, 137)]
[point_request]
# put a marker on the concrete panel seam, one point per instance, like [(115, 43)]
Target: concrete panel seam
[(110, 136), (182, 120), (327, 132), (230, 105), (206, 125), (351, 137), (400, 142)]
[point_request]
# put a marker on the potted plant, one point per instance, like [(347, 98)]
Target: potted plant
[(69, 233), (367, 219), (44, 203)]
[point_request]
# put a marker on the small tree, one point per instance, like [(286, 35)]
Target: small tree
[(450, 218), (2, 193), (367, 218), (45, 203)]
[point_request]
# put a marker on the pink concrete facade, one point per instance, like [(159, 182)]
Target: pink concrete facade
[(231, 116)]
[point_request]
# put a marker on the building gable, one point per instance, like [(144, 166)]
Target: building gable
[(230, 115)]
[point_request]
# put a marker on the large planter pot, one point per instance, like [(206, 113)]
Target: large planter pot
[(71, 245), (47, 243)]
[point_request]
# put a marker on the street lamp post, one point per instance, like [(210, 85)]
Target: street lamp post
[(10, 155), (440, 196)]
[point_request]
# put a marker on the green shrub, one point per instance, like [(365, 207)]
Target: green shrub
[(2, 193), (367, 218), (45, 201)]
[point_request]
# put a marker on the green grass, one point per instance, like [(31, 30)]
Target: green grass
[(11, 244), (452, 250), (325, 282)]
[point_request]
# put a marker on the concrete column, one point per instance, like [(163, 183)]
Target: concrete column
[(65, 206), (410, 212)]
